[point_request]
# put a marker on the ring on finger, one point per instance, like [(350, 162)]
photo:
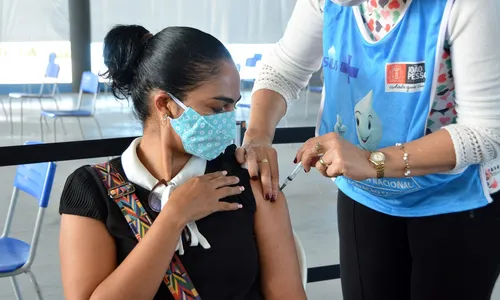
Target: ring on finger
[(322, 162), (264, 161)]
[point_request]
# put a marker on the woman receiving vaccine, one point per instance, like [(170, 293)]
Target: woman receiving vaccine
[(409, 128), (175, 217)]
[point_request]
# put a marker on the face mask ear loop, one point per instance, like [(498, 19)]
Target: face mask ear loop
[(178, 101)]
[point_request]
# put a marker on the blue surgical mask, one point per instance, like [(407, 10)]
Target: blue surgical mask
[(204, 136)]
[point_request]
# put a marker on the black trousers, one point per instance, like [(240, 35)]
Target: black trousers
[(446, 257)]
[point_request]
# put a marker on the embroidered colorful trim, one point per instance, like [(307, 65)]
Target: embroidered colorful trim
[(123, 194)]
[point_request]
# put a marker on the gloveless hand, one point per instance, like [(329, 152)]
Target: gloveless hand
[(199, 196), (262, 161), (333, 156)]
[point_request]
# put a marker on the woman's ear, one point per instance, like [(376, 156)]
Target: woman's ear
[(163, 105)]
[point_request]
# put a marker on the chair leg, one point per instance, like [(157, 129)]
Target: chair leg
[(22, 127), (62, 121), (46, 123), (41, 108), (41, 126), (81, 128), (98, 126), (10, 112), (55, 133), (15, 286), (4, 111), (35, 285)]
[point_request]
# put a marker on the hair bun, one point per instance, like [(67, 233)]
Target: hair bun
[(123, 48)]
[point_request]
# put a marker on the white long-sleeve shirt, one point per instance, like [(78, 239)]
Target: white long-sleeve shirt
[(474, 36)]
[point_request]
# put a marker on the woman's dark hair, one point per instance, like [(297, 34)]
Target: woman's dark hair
[(176, 60)]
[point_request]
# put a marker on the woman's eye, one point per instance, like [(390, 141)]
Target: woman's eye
[(218, 110)]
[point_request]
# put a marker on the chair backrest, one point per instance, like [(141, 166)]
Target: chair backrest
[(50, 78), (251, 62), (52, 71), (52, 58), (88, 84), (36, 179)]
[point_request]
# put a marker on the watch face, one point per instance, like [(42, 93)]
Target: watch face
[(378, 157)]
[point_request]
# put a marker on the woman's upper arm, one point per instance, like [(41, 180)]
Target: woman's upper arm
[(87, 254), (474, 36), (474, 30), (280, 272), (297, 54), (87, 251)]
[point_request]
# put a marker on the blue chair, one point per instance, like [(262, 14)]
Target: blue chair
[(16, 256), (50, 81), (250, 62), (90, 85)]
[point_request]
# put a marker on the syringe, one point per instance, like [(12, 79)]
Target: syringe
[(292, 175)]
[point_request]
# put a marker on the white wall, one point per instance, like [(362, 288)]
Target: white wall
[(232, 21)]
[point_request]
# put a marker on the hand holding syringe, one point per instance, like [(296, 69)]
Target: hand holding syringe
[(292, 175)]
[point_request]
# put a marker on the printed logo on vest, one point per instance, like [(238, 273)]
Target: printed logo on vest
[(405, 77), (492, 175), (332, 62), (387, 187)]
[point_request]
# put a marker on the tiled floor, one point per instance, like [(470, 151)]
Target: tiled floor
[(312, 198)]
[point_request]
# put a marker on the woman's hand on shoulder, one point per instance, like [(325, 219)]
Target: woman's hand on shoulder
[(262, 161), (199, 196)]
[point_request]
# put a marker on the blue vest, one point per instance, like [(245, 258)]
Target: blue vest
[(380, 93)]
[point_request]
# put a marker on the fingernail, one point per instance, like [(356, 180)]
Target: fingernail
[(268, 197), (295, 160), (273, 199), (240, 206), (242, 188), (224, 173), (255, 178)]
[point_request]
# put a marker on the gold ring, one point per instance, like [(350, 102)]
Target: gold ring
[(323, 163), (318, 147), (264, 161)]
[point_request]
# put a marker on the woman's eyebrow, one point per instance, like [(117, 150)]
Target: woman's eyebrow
[(226, 99)]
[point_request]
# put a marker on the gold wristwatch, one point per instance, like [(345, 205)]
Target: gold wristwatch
[(377, 158)]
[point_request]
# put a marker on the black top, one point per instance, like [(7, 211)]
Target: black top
[(228, 270)]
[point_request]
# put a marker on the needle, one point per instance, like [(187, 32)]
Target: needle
[(292, 175)]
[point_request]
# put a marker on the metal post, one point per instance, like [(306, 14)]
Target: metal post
[(80, 38)]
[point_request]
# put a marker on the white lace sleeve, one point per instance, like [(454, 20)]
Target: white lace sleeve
[(474, 31), (287, 68), (271, 79), (474, 145)]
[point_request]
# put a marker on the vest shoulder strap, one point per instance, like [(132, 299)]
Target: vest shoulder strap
[(123, 194)]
